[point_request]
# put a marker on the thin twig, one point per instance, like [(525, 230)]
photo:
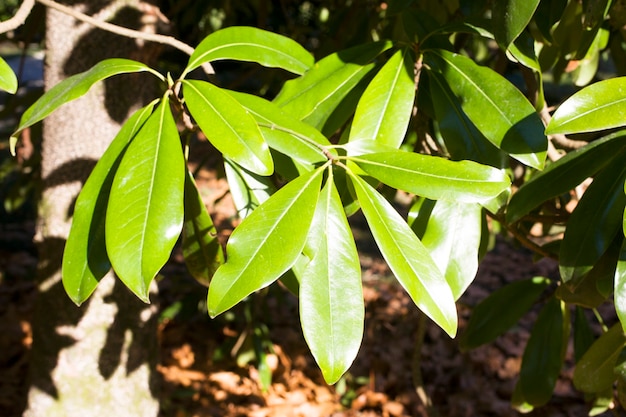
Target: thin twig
[(19, 18), (122, 31), (418, 382)]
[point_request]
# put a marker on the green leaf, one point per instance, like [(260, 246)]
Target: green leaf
[(565, 174), (407, 257), (510, 17), (512, 125), (594, 372), (543, 356), (594, 223), (501, 310), (201, 248), (597, 107), (145, 212), (583, 334), (435, 178), (331, 297), (251, 44), (282, 132), (620, 287), (452, 237), (266, 244), (247, 189), (228, 126), (85, 259), (463, 140), (313, 97), (385, 108), (74, 87), (8, 80)]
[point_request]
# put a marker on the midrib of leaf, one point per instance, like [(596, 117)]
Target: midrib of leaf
[(150, 192), (244, 142), (426, 174), (253, 254), (480, 90)]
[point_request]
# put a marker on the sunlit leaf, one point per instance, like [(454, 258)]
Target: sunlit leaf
[(228, 126), (452, 236), (385, 108), (251, 44), (594, 223), (512, 125), (510, 17), (433, 177), (145, 212), (85, 259), (501, 310), (282, 132), (201, 248), (266, 244), (594, 372), (597, 107), (565, 174), (313, 97), (8, 80), (331, 298), (407, 257), (74, 87), (620, 287), (543, 356)]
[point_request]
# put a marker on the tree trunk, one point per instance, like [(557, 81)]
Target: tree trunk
[(100, 358)]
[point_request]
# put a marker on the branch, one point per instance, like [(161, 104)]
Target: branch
[(19, 18), (122, 31)]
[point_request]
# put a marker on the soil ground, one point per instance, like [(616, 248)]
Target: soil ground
[(208, 367)]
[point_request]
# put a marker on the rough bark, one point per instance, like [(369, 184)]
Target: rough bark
[(100, 358)]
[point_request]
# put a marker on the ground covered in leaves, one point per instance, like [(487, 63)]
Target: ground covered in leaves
[(213, 368)]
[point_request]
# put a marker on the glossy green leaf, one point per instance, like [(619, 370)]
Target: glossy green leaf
[(583, 334), (594, 372), (282, 132), (452, 237), (565, 174), (331, 297), (201, 248), (8, 80), (501, 310), (407, 257), (463, 140), (433, 177), (543, 356), (248, 190), (313, 97), (619, 293), (510, 17), (74, 87), (594, 223), (266, 244), (145, 212), (85, 259), (228, 126), (385, 108), (597, 107), (512, 125), (251, 44)]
